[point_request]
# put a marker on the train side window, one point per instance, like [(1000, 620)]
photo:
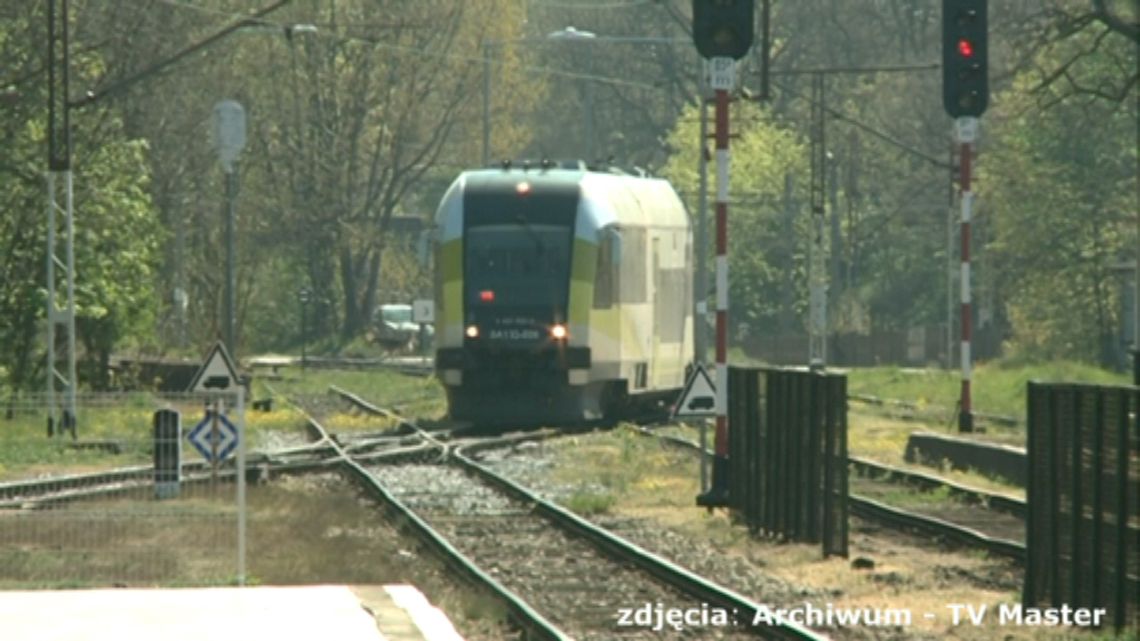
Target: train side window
[(605, 275), (632, 280)]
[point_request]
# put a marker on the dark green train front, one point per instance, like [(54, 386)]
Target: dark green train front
[(538, 319)]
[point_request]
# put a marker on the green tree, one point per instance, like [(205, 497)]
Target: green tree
[(769, 236), (1061, 191), (116, 234)]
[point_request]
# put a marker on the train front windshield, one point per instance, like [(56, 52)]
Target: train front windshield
[(517, 265)]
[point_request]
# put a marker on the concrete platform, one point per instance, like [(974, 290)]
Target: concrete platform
[(344, 613)]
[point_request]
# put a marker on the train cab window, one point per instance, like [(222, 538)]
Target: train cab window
[(522, 264)]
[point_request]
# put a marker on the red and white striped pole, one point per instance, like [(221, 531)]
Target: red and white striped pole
[(722, 79), (966, 129)]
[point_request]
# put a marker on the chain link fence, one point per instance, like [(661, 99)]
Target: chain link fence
[(139, 490)]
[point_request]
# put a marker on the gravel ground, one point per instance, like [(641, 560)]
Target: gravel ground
[(530, 465), (564, 577), (315, 529)]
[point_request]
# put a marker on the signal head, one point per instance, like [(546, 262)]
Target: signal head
[(965, 82), (723, 28)]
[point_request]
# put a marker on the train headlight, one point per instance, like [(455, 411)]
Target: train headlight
[(558, 332), (472, 331)]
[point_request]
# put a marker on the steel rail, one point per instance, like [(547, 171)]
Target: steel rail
[(103, 485), (520, 611), (659, 567), (874, 510), (867, 399), (29, 494), (609, 543), (998, 502)]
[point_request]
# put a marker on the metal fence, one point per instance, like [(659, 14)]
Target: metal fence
[(142, 493), (788, 454), (1083, 521)]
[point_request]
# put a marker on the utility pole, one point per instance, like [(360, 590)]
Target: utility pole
[(787, 321), (722, 33), (59, 168), (966, 131), (718, 493), (851, 195), (817, 276), (486, 103), (965, 95), (834, 279), (700, 333), (950, 263), (1136, 310)]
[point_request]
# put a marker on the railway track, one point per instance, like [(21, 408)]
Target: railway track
[(976, 526), (320, 456), (561, 576)]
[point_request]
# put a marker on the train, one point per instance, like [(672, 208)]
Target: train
[(563, 293)]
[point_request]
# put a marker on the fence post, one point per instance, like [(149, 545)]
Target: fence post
[(1075, 504), (1029, 595), (1122, 457), (167, 453), (1097, 496)]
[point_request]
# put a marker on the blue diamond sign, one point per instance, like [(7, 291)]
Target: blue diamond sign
[(214, 434)]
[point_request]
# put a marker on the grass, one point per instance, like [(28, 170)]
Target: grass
[(997, 388), (126, 421), (658, 485), (883, 439), (301, 530), (411, 396), (587, 503), (902, 496)]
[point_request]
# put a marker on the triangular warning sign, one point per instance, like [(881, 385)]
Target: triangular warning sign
[(217, 374), (699, 396)]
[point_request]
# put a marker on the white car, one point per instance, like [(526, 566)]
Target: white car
[(396, 327)]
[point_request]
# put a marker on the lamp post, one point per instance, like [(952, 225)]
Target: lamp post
[(229, 137), (571, 34)]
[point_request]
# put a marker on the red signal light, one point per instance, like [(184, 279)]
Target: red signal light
[(487, 295), (966, 48)]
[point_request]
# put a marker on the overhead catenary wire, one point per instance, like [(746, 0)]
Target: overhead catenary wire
[(426, 53), (887, 138), (253, 20)]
